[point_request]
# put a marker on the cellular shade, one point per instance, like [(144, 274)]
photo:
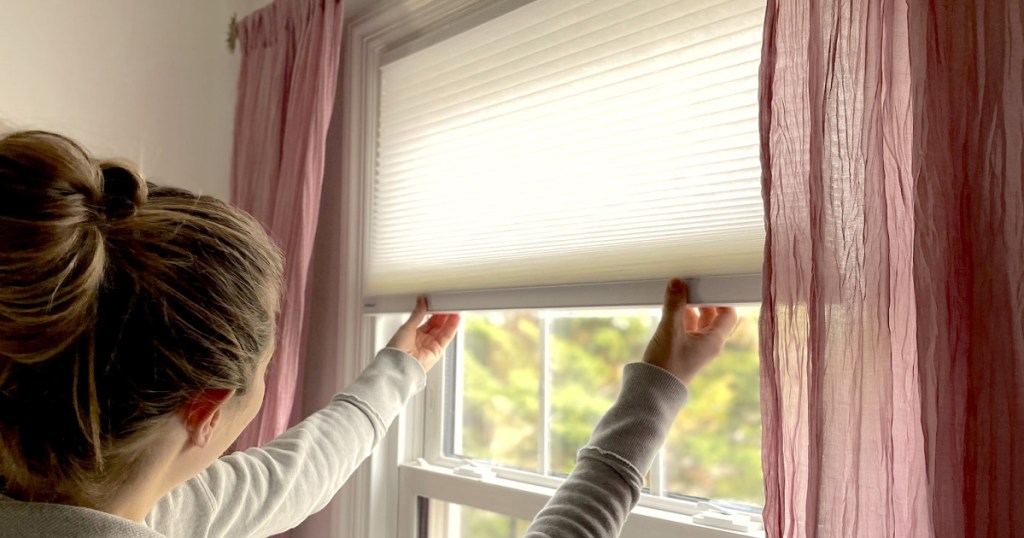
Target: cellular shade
[(571, 142)]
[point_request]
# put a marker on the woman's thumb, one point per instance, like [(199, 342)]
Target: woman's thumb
[(676, 297)]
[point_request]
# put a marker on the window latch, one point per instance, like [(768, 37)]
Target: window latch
[(715, 517), (471, 470)]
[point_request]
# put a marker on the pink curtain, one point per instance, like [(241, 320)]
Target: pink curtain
[(893, 320), (290, 51)]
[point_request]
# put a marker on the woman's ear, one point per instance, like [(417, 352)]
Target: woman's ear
[(202, 414)]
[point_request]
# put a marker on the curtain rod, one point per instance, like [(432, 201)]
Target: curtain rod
[(233, 32)]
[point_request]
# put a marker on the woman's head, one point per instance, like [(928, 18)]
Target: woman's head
[(120, 303)]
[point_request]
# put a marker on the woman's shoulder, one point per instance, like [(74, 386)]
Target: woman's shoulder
[(38, 520)]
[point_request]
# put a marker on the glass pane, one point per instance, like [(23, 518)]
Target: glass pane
[(588, 352), (501, 376), (714, 448), (450, 520)]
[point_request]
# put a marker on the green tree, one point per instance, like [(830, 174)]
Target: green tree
[(501, 406), (586, 362), (713, 449)]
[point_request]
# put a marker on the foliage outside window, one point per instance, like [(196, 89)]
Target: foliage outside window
[(713, 449)]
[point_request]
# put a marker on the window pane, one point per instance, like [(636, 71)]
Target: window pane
[(460, 521), (501, 388), (589, 351), (714, 448)]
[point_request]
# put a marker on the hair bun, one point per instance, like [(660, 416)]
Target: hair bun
[(124, 190)]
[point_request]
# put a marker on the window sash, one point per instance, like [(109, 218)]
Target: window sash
[(524, 500), (433, 473)]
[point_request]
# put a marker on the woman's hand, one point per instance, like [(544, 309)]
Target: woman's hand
[(425, 342), (687, 340)]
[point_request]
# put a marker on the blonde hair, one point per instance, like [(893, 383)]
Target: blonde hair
[(119, 302)]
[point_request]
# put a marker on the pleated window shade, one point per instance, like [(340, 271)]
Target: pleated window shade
[(571, 142)]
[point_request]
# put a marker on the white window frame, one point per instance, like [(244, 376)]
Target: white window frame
[(380, 498), (522, 493)]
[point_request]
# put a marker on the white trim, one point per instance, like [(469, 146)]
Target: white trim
[(658, 474), (716, 290), (466, 16), (546, 345), (432, 438)]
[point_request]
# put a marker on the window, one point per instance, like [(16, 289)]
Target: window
[(526, 389), (521, 391), (543, 167)]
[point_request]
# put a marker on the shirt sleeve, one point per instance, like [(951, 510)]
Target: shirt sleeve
[(605, 485), (268, 490)]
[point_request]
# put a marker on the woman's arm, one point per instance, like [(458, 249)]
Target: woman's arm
[(606, 483), (609, 474), (267, 490)]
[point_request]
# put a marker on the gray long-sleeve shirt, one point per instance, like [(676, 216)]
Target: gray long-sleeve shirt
[(264, 491), (605, 485)]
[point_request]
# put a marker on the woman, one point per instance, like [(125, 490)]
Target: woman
[(136, 325)]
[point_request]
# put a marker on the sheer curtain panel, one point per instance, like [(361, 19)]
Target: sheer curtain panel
[(892, 137), (286, 90)]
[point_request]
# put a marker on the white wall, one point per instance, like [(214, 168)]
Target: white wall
[(150, 81)]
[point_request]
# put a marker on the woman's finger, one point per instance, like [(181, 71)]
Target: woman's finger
[(676, 296), (725, 321), (418, 313), (433, 324), (690, 319), (707, 317), (444, 329), (450, 328)]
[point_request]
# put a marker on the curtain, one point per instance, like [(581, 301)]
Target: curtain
[(286, 89), (892, 327)]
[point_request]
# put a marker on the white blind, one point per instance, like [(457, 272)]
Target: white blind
[(572, 142)]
